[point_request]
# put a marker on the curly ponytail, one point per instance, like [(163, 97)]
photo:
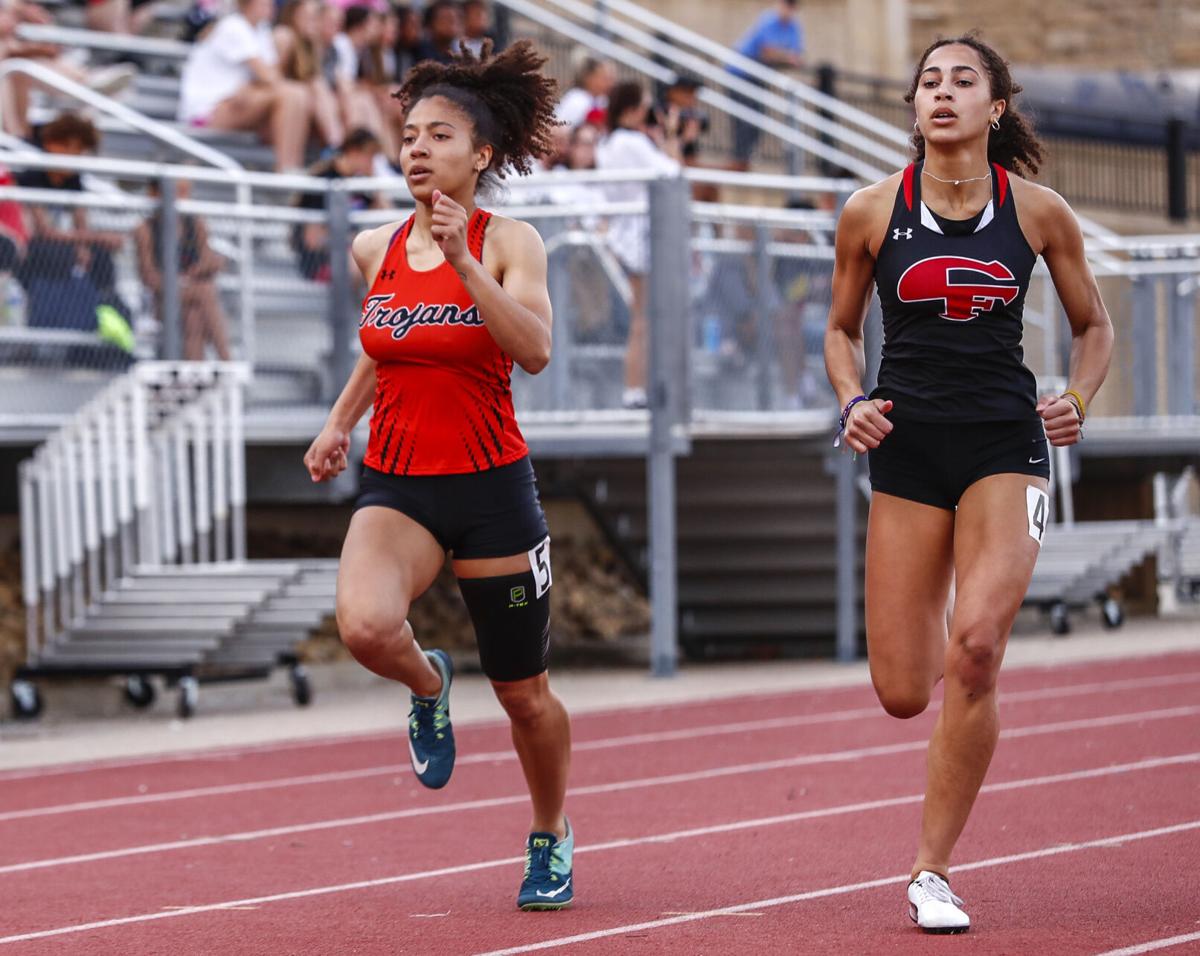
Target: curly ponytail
[(509, 101), (1014, 146)]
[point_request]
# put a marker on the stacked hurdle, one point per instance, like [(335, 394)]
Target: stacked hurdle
[(133, 539)]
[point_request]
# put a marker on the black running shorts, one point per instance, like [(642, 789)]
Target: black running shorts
[(934, 463), (483, 514)]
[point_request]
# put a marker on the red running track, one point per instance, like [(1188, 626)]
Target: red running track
[(783, 823)]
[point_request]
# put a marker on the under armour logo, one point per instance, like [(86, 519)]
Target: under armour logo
[(390, 274), (901, 233)]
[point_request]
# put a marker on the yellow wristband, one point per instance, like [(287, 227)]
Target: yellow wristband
[(1079, 400)]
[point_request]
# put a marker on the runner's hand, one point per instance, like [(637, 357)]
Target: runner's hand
[(867, 425), (450, 228), (1060, 419), (326, 456)]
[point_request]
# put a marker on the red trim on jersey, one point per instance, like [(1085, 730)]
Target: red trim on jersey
[(908, 185), (1001, 181)]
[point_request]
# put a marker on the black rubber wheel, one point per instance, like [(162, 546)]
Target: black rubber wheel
[(189, 696), (139, 692), (301, 686), (26, 700), (1111, 613), (1060, 620)]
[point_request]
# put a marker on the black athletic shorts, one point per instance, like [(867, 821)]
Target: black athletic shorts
[(934, 463), (482, 514)]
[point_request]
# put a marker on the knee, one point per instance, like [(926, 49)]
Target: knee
[(526, 701), (372, 636), (903, 702), (973, 657)]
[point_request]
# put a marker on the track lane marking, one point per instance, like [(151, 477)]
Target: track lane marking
[(1152, 945), (214, 754), (605, 743), (843, 756), (844, 889), (671, 837)]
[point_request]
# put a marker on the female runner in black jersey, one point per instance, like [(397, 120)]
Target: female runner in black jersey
[(955, 431)]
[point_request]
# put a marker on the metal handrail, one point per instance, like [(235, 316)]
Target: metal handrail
[(720, 101), (120, 111), (99, 40), (723, 54), (751, 91)]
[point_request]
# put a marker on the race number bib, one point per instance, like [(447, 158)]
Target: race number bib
[(1037, 503), (539, 564)]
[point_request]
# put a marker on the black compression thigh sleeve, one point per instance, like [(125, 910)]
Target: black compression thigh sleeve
[(512, 624)]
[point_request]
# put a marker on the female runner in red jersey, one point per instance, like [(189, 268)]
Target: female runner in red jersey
[(955, 431), (456, 296)]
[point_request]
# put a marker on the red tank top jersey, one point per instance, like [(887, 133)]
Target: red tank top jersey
[(443, 402)]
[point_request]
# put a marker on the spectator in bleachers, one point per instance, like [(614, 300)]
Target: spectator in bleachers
[(631, 145), (360, 83), (310, 241), (443, 31), (298, 42), (202, 317), (477, 25), (776, 40), (15, 88), (587, 100), (232, 81), (120, 16), (68, 269), (408, 41)]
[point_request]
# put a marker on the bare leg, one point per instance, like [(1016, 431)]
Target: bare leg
[(541, 729), (541, 734), (994, 558), (291, 119), (325, 113), (635, 349), (388, 560)]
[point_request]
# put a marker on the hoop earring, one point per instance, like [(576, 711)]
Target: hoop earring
[(996, 124)]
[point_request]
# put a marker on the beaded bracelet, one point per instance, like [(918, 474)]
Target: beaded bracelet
[(837, 441)]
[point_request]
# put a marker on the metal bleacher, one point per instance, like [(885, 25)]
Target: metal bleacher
[(133, 546)]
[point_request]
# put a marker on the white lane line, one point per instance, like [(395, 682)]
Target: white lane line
[(898, 879), (1153, 945), (840, 756), (606, 743), (214, 754), (677, 835)]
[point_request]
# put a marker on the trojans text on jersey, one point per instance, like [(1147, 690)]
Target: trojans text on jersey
[(403, 319)]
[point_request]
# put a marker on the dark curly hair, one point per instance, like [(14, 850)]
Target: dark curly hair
[(509, 101), (1014, 146)]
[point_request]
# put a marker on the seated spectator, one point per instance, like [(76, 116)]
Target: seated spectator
[(202, 317), (408, 41), (587, 100), (629, 145), (310, 241), (298, 43), (231, 80), (15, 88), (120, 16), (476, 26), (68, 269), (443, 32), (358, 74)]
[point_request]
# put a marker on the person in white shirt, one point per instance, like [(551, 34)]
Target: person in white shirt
[(231, 80), (588, 98), (630, 146)]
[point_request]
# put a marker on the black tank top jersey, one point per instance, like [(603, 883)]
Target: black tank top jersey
[(953, 294)]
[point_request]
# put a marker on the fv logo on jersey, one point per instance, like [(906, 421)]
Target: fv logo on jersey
[(965, 287)]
